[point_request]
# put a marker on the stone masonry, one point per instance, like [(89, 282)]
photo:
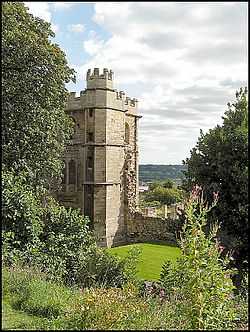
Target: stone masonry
[(101, 161)]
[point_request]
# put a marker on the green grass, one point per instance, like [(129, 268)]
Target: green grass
[(17, 319), (152, 257)]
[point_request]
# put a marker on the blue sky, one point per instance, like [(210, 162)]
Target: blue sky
[(183, 61), (72, 41)]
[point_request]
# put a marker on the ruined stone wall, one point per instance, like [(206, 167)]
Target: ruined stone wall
[(131, 165), (143, 228)]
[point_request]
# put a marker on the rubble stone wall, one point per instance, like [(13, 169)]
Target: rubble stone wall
[(141, 228)]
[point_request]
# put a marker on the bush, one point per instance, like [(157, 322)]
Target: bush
[(98, 268), (199, 280), (65, 235), (37, 231)]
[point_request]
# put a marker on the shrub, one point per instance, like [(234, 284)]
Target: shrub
[(37, 231), (199, 280), (65, 235), (97, 267)]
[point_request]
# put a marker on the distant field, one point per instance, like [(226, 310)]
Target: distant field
[(150, 173), (152, 257)]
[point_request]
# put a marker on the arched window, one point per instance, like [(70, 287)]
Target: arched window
[(72, 172), (127, 133)]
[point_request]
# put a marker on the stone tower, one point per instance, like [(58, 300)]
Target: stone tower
[(101, 162)]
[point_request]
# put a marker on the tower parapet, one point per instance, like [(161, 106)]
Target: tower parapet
[(97, 80), (127, 100)]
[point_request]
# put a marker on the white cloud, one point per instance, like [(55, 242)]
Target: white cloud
[(76, 27), (94, 44), (40, 9), (62, 5), (183, 61)]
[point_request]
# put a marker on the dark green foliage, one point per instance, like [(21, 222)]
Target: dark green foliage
[(21, 217), (50, 237), (65, 235), (219, 162), (34, 72), (168, 183)]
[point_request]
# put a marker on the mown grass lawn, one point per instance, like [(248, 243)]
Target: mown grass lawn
[(153, 255)]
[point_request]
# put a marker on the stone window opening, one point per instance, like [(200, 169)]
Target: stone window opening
[(90, 162), (91, 111), (72, 172), (90, 137), (127, 133)]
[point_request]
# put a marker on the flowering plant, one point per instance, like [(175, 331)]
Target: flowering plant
[(200, 280)]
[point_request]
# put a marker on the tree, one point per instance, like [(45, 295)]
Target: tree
[(219, 162), (164, 195), (35, 127), (167, 183)]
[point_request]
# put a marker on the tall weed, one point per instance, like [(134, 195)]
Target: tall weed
[(200, 281)]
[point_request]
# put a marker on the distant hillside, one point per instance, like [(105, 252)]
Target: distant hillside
[(149, 173)]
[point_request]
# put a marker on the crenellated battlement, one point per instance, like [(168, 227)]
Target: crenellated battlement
[(103, 81), (127, 100), (107, 74), (96, 80)]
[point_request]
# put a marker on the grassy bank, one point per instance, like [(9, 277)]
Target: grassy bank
[(153, 255), (30, 302)]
